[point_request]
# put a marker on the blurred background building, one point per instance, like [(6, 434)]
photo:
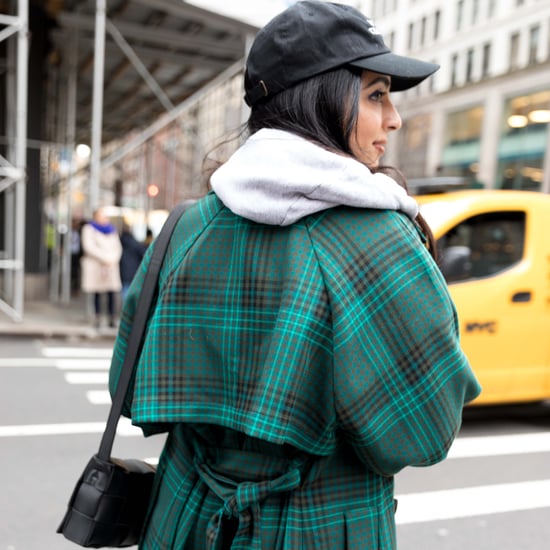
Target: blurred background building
[(105, 103), (123, 100), (484, 115)]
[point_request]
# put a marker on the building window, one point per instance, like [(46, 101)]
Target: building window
[(459, 14), (423, 31), (486, 63), (410, 36), (431, 81), (491, 8), (534, 35), (437, 24), (519, 3), (454, 68), (413, 139), (470, 65), (475, 11), (514, 51), (523, 140), (391, 42), (462, 143)]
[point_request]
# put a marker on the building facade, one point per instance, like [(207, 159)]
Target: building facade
[(485, 114)]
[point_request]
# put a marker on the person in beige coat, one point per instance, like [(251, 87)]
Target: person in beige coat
[(101, 252)]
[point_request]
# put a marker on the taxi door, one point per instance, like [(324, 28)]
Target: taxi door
[(502, 312)]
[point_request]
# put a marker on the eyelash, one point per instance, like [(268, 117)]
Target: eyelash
[(378, 95)]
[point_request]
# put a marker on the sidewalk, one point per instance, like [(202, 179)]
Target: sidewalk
[(48, 319)]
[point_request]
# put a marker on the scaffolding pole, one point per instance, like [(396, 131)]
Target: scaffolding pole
[(14, 180), (97, 107)]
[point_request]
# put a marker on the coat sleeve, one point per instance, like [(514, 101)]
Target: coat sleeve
[(400, 377)]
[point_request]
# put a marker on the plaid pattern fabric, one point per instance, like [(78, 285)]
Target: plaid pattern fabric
[(334, 336)]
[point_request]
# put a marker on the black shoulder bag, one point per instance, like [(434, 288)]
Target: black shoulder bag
[(110, 500)]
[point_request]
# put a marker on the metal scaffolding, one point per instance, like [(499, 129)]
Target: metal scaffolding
[(13, 163), (150, 85)]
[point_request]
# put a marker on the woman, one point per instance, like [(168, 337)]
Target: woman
[(304, 348), (101, 251)]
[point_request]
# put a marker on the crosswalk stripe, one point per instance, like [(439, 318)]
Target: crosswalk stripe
[(82, 364), (510, 444), (62, 364), (472, 501), (87, 377), (106, 353), (124, 428), (99, 397)]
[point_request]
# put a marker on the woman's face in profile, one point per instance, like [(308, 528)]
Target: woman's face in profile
[(376, 118)]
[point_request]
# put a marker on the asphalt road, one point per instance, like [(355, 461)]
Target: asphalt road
[(493, 492)]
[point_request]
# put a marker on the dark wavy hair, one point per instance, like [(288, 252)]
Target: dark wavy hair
[(324, 110)]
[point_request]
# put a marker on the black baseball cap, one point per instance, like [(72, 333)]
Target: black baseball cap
[(312, 37)]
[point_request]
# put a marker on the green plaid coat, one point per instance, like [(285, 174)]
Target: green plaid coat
[(296, 370)]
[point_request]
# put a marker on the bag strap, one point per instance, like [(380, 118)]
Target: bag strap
[(139, 322)]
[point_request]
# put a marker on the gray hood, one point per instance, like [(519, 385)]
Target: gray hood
[(277, 178)]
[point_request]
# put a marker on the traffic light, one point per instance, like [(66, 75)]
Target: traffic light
[(152, 190)]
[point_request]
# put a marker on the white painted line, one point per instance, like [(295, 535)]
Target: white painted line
[(99, 397), (77, 352), (87, 377), (124, 428), (63, 364), (472, 501), (17, 362), (467, 447), (83, 364), (52, 429)]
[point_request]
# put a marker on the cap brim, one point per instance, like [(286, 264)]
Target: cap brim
[(405, 72)]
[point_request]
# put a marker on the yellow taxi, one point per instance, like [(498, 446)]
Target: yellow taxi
[(494, 248)]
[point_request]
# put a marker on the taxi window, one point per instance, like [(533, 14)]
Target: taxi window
[(482, 246)]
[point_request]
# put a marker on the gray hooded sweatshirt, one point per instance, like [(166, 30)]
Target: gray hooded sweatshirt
[(277, 178)]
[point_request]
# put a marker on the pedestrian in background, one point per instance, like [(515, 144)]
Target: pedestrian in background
[(76, 254), (303, 348), (100, 272), (50, 241), (132, 254), (148, 237)]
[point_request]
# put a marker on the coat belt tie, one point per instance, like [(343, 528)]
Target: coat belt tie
[(241, 510)]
